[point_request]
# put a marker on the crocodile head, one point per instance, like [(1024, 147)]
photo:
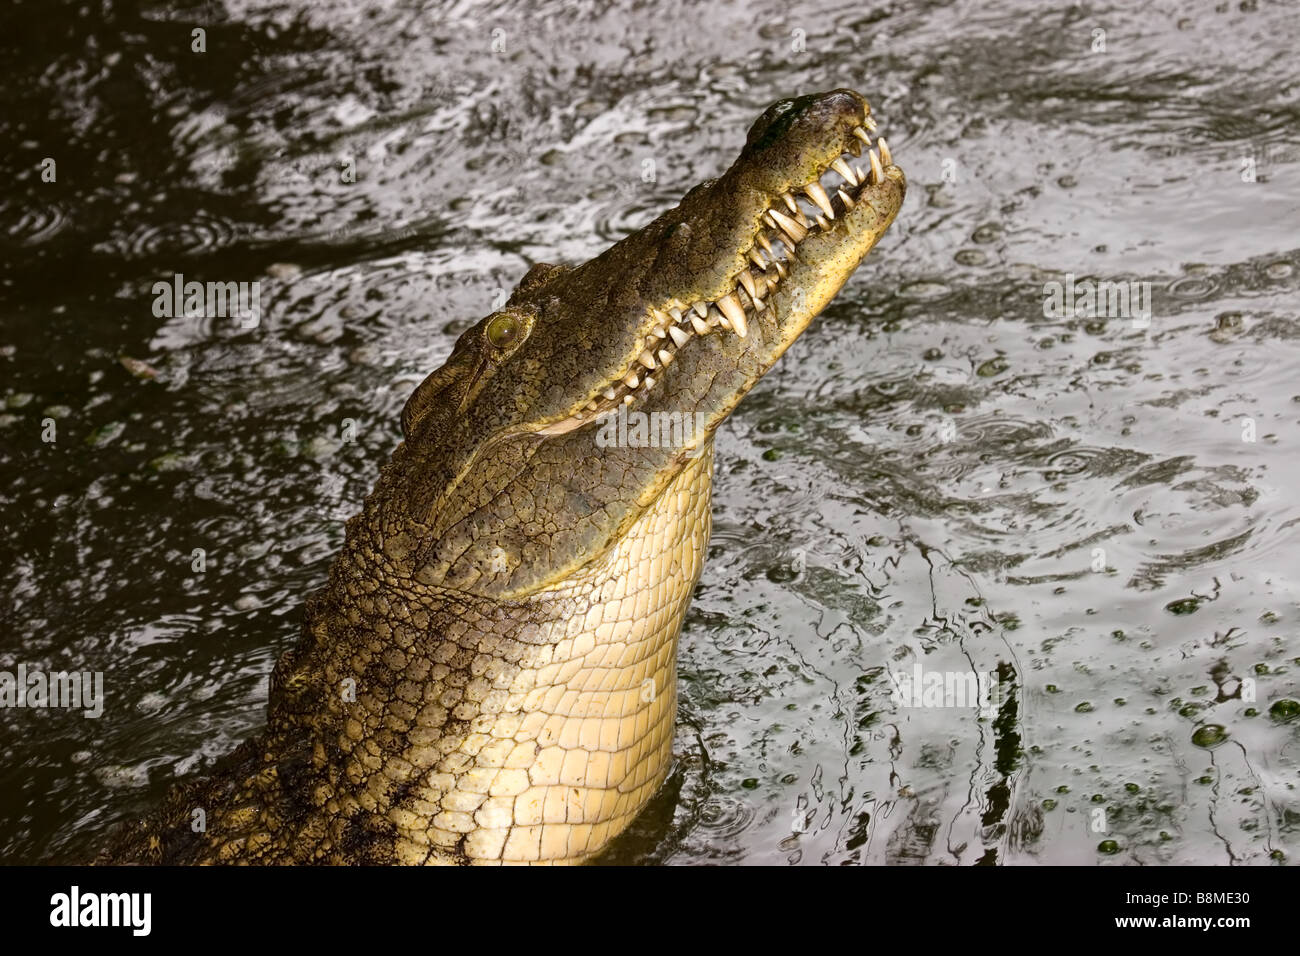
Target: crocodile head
[(505, 489)]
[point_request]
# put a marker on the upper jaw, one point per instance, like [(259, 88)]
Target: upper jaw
[(806, 238)]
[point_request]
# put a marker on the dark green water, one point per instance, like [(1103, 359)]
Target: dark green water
[(1099, 511)]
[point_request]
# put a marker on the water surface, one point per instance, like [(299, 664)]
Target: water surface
[(1098, 511)]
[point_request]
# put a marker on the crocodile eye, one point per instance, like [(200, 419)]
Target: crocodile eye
[(502, 331)]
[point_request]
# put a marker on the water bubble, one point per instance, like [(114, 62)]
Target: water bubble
[(1284, 710), (1209, 736), (923, 290), (1191, 287)]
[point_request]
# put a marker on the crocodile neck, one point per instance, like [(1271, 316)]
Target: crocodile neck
[(420, 727)]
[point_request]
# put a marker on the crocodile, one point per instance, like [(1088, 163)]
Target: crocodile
[(489, 675)]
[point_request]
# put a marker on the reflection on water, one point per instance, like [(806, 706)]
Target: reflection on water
[(1095, 513)]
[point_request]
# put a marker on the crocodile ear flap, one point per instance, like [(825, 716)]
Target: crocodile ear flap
[(426, 398)]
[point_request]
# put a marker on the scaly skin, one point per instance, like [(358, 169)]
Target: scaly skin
[(490, 674)]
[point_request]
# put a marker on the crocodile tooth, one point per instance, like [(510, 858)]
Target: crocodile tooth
[(676, 314), (780, 268), (665, 356), (869, 123), (649, 383), (818, 195), (701, 309), (658, 316), (767, 247), (861, 133), (790, 226), (629, 398), (680, 337), (844, 197), (756, 257), (767, 218), (646, 359), (731, 308), (747, 281), (823, 222), (610, 394), (592, 406), (658, 331), (630, 380), (885, 156), (790, 203), (845, 170), (802, 219), (698, 324)]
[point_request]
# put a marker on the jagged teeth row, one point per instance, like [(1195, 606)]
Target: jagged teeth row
[(677, 325), (848, 179)]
